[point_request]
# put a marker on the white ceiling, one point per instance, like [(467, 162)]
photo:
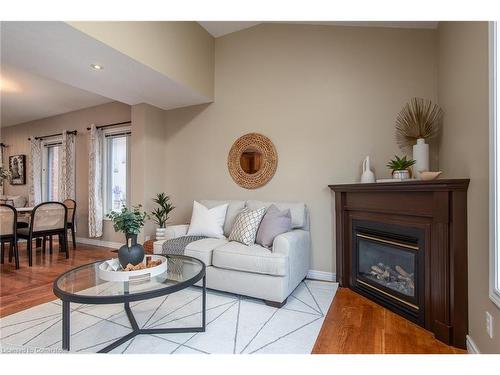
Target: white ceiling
[(220, 28), (59, 52), (26, 96)]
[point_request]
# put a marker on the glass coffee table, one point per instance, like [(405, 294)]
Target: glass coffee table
[(83, 285)]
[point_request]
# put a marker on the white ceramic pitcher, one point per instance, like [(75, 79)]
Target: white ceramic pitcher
[(367, 176)]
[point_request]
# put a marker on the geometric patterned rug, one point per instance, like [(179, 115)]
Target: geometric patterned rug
[(235, 324)]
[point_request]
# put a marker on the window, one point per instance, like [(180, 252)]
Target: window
[(494, 169), (51, 152), (116, 169)]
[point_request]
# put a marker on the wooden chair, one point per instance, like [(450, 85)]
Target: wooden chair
[(71, 206), (8, 222), (47, 219)]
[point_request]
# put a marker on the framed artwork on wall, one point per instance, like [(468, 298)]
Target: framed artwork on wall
[(17, 168)]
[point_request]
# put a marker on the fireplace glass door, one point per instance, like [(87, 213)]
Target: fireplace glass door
[(387, 264)]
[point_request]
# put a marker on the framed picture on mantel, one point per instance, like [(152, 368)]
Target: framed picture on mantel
[(17, 168)]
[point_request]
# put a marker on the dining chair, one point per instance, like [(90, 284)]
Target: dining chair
[(47, 219), (71, 206), (8, 222)]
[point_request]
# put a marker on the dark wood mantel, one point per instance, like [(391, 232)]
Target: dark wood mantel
[(439, 209), (410, 185)]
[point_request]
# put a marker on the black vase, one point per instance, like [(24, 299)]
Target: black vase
[(132, 252)]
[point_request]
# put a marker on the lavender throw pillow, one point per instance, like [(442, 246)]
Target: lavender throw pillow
[(273, 223)]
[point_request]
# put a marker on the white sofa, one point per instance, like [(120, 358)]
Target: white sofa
[(252, 270)]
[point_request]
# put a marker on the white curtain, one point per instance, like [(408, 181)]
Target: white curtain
[(1, 165), (35, 172), (96, 140), (67, 167)]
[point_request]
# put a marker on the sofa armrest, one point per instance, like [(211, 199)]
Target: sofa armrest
[(295, 244), (172, 231)]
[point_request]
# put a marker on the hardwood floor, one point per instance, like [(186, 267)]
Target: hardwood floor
[(353, 324), (30, 286), (356, 325)]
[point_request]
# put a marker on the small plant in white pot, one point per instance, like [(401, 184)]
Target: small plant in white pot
[(160, 214), (401, 167)]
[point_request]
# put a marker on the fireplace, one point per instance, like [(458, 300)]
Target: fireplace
[(404, 246), (388, 266)]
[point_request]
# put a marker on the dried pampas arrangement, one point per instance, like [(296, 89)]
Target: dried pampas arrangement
[(419, 118)]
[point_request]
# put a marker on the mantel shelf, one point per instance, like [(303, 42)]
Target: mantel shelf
[(459, 184)]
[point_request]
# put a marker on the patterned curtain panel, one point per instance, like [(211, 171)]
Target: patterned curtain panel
[(96, 140), (67, 167), (1, 165), (35, 172)]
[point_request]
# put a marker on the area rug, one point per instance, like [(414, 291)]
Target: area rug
[(235, 324)]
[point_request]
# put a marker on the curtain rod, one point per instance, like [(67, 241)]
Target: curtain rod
[(53, 135), (115, 124)]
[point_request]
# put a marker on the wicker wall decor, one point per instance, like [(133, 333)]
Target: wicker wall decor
[(269, 161)]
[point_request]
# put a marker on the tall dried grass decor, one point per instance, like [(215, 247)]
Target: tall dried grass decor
[(419, 118)]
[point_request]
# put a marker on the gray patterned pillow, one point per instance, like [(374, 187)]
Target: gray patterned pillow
[(245, 226)]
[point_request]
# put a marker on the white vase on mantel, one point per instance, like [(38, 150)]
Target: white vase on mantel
[(421, 157)]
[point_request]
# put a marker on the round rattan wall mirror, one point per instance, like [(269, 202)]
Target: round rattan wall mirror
[(252, 160)]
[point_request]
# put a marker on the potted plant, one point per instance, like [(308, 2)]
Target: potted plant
[(129, 222), (160, 214), (400, 167)]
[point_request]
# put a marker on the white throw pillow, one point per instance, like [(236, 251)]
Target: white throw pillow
[(207, 222), (246, 225)]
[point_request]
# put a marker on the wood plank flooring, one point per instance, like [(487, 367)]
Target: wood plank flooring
[(353, 324), (30, 286), (356, 325)]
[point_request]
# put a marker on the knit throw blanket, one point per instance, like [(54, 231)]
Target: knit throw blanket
[(176, 246)]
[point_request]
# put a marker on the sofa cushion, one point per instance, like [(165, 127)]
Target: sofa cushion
[(297, 210), (273, 223), (246, 225), (208, 222), (233, 209), (254, 258), (202, 249)]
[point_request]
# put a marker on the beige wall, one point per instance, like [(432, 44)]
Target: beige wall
[(148, 158), (183, 51), (326, 96), (464, 96), (16, 137)]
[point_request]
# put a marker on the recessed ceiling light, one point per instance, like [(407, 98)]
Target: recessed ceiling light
[(96, 66)]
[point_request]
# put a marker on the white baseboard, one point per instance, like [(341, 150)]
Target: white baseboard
[(96, 242), (321, 275), (471, 346)]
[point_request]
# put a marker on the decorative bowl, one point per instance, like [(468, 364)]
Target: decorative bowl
[(428, 175)]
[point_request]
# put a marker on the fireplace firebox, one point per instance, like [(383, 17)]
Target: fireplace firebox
[(404, 246), (388, 266)]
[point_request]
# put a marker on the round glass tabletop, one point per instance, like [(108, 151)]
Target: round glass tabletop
[(83, 284)]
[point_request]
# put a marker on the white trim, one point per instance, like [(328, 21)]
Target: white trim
[(494, 287), (321, 275), (471, 346), (95, 242)]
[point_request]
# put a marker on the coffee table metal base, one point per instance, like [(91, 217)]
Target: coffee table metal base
[(136, 330)]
